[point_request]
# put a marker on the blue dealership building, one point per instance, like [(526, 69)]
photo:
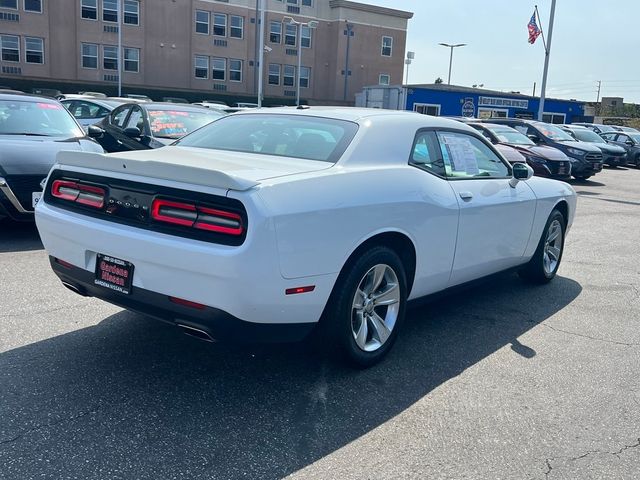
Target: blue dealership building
[(455, 101)]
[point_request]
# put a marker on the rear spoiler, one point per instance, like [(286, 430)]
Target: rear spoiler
[(154, 169)]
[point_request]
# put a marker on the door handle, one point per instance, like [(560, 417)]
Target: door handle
[(466, 195)]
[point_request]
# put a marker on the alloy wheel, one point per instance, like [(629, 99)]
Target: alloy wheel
[(552, 248)]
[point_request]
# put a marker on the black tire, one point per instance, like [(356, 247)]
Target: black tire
[(582, 177), (534, 270), (335, 330)]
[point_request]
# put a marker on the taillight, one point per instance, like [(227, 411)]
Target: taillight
[(196, 216), (89, 195)]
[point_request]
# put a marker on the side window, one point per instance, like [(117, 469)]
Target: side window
[(523, 129), (466, 156), (119, 115), (622, 138), (136, 119), (426, 154), (85, 110)]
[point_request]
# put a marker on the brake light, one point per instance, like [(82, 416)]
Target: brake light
[(88, 195), (196, 216), (187, 303)]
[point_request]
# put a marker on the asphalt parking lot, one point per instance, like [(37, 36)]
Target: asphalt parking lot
[(503, 380)]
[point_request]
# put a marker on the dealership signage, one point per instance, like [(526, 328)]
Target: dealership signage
[(502, 102), (468, 107)]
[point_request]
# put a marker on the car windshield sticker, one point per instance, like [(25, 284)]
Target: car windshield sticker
[(463, 157), (49, 106)]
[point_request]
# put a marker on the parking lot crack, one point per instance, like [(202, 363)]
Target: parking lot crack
[(40, 312), (589, 337)]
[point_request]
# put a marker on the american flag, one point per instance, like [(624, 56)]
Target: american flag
[(534, 31)]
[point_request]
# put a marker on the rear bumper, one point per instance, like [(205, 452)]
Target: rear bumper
[(218, 324)]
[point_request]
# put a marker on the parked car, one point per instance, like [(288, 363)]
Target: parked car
[(612, 155), (546, 161), (32, 131), (140, 126), (270, 224), (599, 128), (586, 160), (630, 142), (90, 110), (140, 98), (621, 128), (175, 100)]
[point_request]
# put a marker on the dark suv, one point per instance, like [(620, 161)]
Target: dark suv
[(613, 155), (629, 141), (545, 161), (586, 160)]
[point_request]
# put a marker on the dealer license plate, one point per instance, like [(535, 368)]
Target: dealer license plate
[(114, 273), (35, 198)]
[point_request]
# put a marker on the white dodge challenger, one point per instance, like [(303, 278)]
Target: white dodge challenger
[(266, 225)]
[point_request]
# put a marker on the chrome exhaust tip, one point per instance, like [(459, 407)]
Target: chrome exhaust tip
[(75, 289), (196, 333)]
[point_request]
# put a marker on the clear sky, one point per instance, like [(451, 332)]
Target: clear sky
[(592, 40)]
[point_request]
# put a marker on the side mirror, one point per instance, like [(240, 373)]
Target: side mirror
[(132, 132), (94, 131), (629, 142), (521, 173)]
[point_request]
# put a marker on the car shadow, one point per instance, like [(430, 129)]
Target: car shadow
[(586, 183), (132, 398), (18, 236)]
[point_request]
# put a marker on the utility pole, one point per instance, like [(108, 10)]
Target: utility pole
[(349, 31), (546, 61), (120, 52), (599, 85), (261, 54), (534, 89)]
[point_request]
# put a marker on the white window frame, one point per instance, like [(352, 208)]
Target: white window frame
[(104, 57), (124, 15), (125, 60), (427, 105), (384, 75), (232, 27), (269, 74), (308, 4), (382, 46), (206, 68), (24, 6), (491, 110), (97, 7), (202, 23), (17, 38), (308, 37), (11, 8), (563, 115), (97, 56), (26, 50), (231, 60), (284, 75), (279, 33), (295, 35), (223, 69), (116, 10), (307, 77), (226, 24)]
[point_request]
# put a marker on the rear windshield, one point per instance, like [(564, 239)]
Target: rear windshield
[(296, 136), (511, 136), (35, 118), (176, 123)]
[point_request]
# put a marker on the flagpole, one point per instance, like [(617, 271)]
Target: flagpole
[(546, 61), (544, 42)]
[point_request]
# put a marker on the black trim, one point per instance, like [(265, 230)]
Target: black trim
[(143, 194), (219, 324)]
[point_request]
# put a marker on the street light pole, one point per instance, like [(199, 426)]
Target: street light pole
[(451, 56), (311, 25), (120, 52), (261, 54)]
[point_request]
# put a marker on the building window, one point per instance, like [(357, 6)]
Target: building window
[(387, 46), (201, 66), (131, 12), (384, 79), (220, 24), (219, 69), (235, 70), (305, 36), (89, 9), (292, 2), (34, 49), (274, 74), (289, 76), (131, 60), (236, 29), (110, 10), (12, 4), (33, 6), (89, 55), (427, 109), (10, 48), (110, 57), (275, 32), (202, 22), (305, 75), (290, 35), (307, 3)]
